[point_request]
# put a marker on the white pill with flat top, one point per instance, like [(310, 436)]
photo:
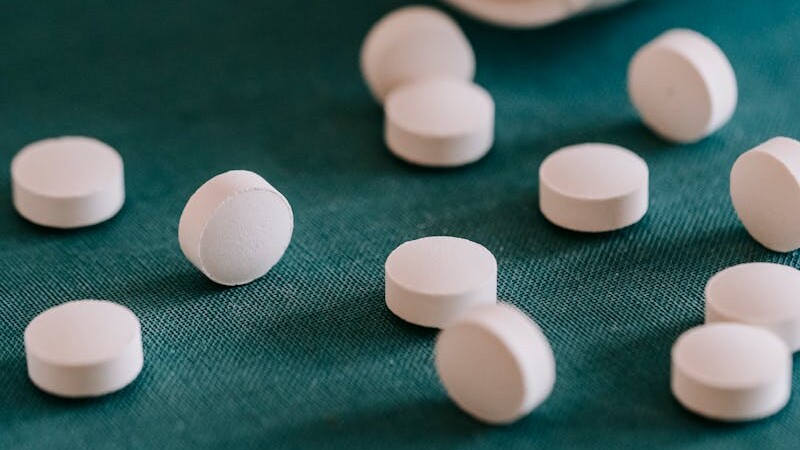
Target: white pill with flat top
[(731, 372), (84, 348), (439, 122), (683, 86), (765, 190), (434, 280), (411, 44), (593, 188), (235, 227), (495, 363), (761, 294), (67, 182), (528, 13)]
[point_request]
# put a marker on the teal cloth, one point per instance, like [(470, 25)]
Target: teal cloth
[(309, 357)]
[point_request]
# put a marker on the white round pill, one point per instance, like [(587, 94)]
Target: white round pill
[(765, 190), (67, 182), (528, 13), (683, 86), (84, 348), (731, 372), (235, 227), (761, 294), (439, 122), (414, 43), (434, 280), (593, 188), (495, 363)]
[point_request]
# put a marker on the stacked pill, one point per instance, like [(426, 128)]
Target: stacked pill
[(493, 360), (417, 62)]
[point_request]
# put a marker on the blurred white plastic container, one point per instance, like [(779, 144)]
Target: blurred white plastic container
[(529, 13)]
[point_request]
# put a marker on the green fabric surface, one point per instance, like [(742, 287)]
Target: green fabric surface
[(309, 357)]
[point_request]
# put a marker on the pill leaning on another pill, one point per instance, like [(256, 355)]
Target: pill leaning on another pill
[(84, 348), (593, 188), (434, 280), (731, 372), (760, 294), (67, 182), (439, 122), (235, 227), (765, 191), (683, 86), (414, 43), (495, 363)]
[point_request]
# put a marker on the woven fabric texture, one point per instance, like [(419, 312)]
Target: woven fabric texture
[(309, 357)]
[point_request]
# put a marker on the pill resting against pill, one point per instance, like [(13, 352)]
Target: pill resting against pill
[(411, 44), (731, 372), (84, 348), (760, 294), (67, 182), (765, 191), (235, 227), (439, 122), (683, 86), (495, 363), (593, 188), (434, 280)]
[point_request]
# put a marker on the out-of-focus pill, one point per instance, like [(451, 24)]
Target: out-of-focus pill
[(529, 13), (593, 188), (731, 372), (434, 280), (414, 43), (235, 227), (761, 294), (439, 122), (765, 190), (683, 86), (84, 348), (67, 182), (495, 363)]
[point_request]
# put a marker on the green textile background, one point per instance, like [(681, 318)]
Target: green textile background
[(309, 357)]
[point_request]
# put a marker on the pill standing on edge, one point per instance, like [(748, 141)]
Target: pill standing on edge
[(731, 372), (760, 294), (414, 43), (683, 86), (593, 188), (495, 363), (235, 227), (433, 280), (765, 191), (84, 348), (67, 182), (439, 122)]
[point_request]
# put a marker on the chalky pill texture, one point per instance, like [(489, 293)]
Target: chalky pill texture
[(761, 294), (495, 363), (593, 188), (440, 122), (84, 348), (683, 86), (67, 182), (765, 191), (411, 44), (235, 227), (731, 372), (434, 280)]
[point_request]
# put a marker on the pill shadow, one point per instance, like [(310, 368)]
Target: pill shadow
[(416, 424)]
